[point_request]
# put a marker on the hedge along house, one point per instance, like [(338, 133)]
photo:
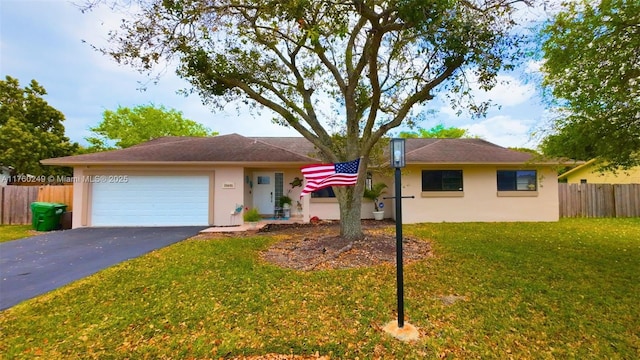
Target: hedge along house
[(176, 181)]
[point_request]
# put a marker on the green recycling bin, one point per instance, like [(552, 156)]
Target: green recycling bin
[(46, 216)]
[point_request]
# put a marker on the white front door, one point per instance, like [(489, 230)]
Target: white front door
[(264, 192)]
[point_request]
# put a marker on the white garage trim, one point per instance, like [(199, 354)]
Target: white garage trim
[(150, 200)]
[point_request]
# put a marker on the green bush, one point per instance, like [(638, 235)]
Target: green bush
[(252, 215), (374, 193), (285, 200)]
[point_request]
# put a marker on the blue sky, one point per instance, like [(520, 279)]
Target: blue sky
[(42, 40)]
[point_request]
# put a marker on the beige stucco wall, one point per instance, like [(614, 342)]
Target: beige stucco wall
[(228, 192), (480, 200), (80, 197), (328, 209)]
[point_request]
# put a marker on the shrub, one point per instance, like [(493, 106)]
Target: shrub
[(284, 199), (252, 215), (374, 193)]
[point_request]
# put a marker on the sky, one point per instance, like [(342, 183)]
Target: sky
[(48, 40)]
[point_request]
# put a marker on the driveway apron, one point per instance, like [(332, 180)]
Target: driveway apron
[(35, 265)]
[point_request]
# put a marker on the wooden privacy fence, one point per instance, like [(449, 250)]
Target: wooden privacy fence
[(599, 200), (15, 201)]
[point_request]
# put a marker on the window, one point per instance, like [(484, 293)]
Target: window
[(517, 180), (323, 193), (368, 184), (441, 180), (279, 185)]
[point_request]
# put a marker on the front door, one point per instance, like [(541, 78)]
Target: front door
[(264, 192)]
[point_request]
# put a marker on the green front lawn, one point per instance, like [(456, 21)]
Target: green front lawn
[(528, 291), (14, 232)]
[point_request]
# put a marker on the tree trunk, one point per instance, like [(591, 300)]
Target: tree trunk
[(350, 209)]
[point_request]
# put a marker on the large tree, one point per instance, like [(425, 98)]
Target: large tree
[(591, 66), (126, 127), (30, 129), (436, 132), (373, 62)]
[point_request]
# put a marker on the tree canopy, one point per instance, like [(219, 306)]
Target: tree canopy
[(436, 132), (340, 72), (126, 127), (591, 66), (30, 129)]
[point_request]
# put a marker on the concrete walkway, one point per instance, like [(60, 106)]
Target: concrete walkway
[(35, 265), (248, 227)]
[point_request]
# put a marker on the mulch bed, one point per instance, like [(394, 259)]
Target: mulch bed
[(319, 246)]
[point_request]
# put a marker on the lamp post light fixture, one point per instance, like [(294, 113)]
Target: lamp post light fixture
[(397, 153), (402, 331), (398, 161)]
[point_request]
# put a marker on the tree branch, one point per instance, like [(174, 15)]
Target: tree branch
[(420, 96), (282, 111)]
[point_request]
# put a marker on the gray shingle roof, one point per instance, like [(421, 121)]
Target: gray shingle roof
[(461, 151), (292, 150), (224, 148)]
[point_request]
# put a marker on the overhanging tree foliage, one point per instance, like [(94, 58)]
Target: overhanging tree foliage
[(372, 62), (592, 67), (30, 129), (436, 132), (126, 127)]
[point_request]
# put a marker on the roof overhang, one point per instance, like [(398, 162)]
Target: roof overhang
[(581, 165), (463, 163), (263, 164)]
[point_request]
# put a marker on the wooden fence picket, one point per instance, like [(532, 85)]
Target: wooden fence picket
[(15, 201), (599, 200)]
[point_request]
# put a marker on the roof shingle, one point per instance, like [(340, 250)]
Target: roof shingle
[(238, 148), (461, 151)]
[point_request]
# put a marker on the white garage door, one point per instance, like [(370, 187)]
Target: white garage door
[(150, 201)]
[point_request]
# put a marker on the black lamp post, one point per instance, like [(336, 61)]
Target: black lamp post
[(397, 152)]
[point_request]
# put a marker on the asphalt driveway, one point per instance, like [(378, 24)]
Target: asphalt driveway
[(38, 264)]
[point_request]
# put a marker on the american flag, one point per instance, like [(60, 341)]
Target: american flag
[(320, 176)]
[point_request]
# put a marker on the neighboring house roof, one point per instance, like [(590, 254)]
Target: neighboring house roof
[(589, 171), (234, 148), (577, 169)]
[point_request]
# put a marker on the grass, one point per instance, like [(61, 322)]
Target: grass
[(532, 290), (14, 232)]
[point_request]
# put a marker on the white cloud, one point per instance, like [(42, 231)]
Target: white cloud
[(449, 111), (540, 11), (508, 91), (533, 66), (503, 130)]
